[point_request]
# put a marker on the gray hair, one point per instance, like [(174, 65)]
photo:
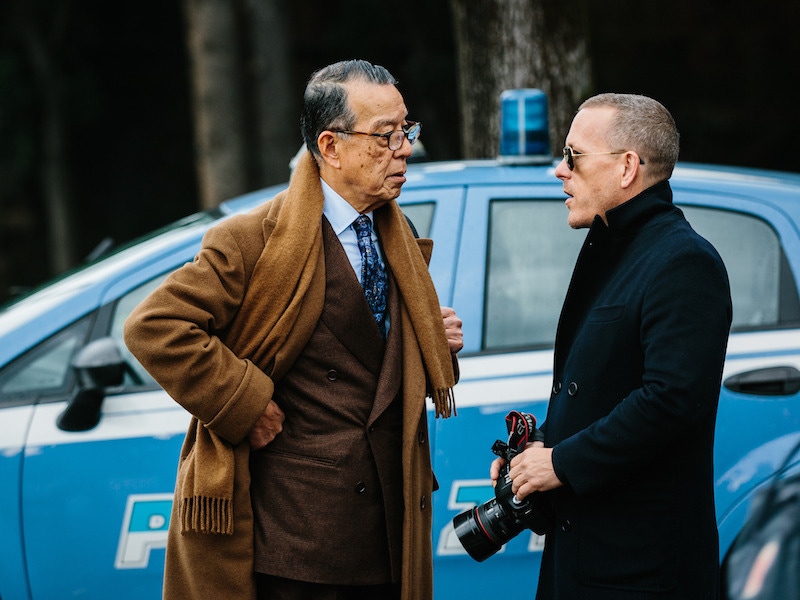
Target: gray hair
[(325, 104), (643, 125)]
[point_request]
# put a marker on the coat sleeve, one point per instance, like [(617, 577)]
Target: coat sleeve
[(674, 351), (177, 333)]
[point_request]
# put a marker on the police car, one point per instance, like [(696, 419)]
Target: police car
[(89, 442)]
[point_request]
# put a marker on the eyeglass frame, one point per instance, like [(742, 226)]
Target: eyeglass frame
[(411, 132), (570, 154)]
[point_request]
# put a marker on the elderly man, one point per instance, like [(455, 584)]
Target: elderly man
[(627, 458), (304, 339)]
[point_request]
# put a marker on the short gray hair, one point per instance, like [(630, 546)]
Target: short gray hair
[(325, 103), (643, 125)]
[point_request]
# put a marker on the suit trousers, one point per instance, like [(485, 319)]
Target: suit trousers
[(278, 588)]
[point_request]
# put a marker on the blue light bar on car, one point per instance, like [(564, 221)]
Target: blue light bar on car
[(524, 128)]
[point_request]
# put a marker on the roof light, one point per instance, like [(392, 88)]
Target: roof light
[(524, 128)]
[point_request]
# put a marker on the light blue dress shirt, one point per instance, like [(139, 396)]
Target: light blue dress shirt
[(340, 215)]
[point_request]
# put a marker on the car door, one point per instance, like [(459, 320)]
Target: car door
[(758, 418), (95, 498), (14, 420), (515, 258)]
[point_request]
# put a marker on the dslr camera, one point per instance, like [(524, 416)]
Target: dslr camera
[(484, 529)]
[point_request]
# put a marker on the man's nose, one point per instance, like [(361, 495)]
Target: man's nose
[(562, 170), (405, 149)]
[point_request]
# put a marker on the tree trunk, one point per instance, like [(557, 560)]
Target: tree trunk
[(43, 51), (217, 94), (275, 138), (504, 44)]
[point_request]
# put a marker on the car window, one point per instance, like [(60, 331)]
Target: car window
[(763, 289), (45, 369), (123, 308), (531, 254), (421, 215)]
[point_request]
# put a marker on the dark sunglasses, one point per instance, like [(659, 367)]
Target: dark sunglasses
[(570, 155)]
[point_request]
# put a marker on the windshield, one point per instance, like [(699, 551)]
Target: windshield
[(161, 235)]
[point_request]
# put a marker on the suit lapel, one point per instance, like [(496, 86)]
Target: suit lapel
[(391, 369), (347, 314)]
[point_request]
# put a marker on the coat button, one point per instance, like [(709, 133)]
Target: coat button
[(556, 387), (332, 375), (423, 502), (566, 526), (421, 438), (361, 487), (572, 390)]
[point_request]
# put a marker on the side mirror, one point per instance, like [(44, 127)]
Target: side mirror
[(98, 365)]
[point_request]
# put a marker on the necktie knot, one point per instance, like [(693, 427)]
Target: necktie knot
[(373, 276)]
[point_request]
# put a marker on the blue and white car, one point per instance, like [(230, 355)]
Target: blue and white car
[(89, 442)]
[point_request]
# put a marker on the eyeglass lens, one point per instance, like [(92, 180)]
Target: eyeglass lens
[(567, 152), (411, 132)]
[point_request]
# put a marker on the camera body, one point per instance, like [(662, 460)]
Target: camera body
[(484, 529)]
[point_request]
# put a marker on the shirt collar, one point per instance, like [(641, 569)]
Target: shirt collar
[(339, 212)]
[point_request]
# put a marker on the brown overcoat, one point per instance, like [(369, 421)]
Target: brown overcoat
[(203, 324)]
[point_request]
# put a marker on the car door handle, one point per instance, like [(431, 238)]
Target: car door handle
[(772, 381)]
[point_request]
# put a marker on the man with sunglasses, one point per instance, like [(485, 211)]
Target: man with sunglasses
[(626, 464), (304, 339)]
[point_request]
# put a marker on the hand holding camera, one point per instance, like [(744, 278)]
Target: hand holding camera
[(484, 529)]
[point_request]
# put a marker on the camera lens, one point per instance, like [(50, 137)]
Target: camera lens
[(484, 529)]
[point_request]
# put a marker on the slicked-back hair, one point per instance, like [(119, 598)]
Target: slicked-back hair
[(325, 105), (643, 125)]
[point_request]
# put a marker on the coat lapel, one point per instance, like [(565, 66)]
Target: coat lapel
[(347, 313), (391, 369)]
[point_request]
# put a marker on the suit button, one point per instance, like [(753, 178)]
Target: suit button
[(332, 375), (361, 487), (566, 526), (572, 390), (423, 502), (371, 428), (556, 387), (421, 438)]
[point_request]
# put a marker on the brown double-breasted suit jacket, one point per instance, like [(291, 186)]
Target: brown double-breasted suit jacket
[(327, 493)]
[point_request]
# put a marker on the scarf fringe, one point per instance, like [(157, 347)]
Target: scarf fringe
[(445, 403), (207, 515)]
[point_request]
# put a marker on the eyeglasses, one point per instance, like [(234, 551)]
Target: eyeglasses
[(570, 155), (394, 139)]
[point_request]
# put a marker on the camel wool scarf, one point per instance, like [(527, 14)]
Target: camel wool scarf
[(287, 288)]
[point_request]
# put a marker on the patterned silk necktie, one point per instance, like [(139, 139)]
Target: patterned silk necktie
[(373, 277)]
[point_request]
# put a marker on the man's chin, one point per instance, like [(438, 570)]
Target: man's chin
[(576, 222)]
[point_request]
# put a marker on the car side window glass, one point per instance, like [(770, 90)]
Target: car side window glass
[(763, 291), (421, 215), (124, 307), (45, 369), (530, 259)]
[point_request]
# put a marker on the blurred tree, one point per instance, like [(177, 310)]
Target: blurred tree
[(216, 75), (239, 73), (40, 28), (502, 44), (275, 135)]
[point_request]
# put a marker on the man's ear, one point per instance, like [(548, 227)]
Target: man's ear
[(328, 144), (630, 169)]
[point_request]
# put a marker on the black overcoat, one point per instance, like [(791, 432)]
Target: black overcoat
[(638, 362)]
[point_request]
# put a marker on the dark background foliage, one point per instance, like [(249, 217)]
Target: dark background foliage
[(726, 70)]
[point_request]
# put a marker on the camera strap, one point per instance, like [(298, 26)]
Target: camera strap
[(522, 431)]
